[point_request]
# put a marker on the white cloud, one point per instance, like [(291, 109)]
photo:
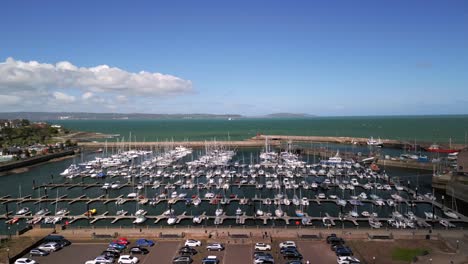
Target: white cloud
[(64, 98), (39, 84), (87, 95)]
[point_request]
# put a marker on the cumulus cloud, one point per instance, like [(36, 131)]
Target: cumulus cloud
[(37, 82), (63, 97)]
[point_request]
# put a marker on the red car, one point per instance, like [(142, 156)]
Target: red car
[(121, 241)]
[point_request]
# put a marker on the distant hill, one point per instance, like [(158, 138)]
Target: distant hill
[(289, 115), (41, 116)]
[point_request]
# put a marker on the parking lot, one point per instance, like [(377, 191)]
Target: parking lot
[(165, 251)]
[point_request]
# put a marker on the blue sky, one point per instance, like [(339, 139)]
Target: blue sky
[(246, 57)]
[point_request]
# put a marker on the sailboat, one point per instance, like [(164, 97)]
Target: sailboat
[(452, 212), (279, 212)]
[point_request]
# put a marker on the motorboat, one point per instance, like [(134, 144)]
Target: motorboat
[(341, 202), (446, 223), (365, 213), (139, 219), (197, 219), (62, 212), (132, 195), (168, 212), (430, 215), (121, 212), (353, 213), (239, 211), (327, 222), (451, 214), (196, 201), (279, 212), (42, 212), (219, 212), (172, 220), (259, 212), (374, 223), (90, 212), (23, 211), (304, 201), (299, 213), (140, 212)]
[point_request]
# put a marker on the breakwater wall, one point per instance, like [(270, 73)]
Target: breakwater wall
[(35, 160)]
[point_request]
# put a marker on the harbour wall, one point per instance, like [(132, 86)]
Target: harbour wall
[(35, 160)]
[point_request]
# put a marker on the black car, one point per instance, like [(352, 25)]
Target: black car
[(187, 251), (288, 248), (38, 252), (294, 262), (343, 251), (182, 260), (262, 254), (335, 240), (111, 254), (292, 254), (139, 250), (333, 247), (57, 238)]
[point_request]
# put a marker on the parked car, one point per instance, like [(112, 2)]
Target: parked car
[(288, 248), (25, 261), (262, 254), (347, 260), (49, 247), (287, 244), (113, 249), (292, 254), (117, 246), (142, 242), (210, 260), (121, 241), (294, 262), (127, 259), (343, 251), (262, 246), (192, 243), (187, 251), (264, 260), (215, 247), (111, 254), (182, 260), (104, 259), (139, 250), (38, 252), (58, 239)]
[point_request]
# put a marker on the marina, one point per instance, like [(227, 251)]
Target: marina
[(215, 186)]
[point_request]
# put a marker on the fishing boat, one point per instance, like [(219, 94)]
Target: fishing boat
[(438, 149)]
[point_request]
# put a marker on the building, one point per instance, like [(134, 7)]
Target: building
[(462, 162)]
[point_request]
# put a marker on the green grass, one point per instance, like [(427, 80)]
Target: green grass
[(407, 254)]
